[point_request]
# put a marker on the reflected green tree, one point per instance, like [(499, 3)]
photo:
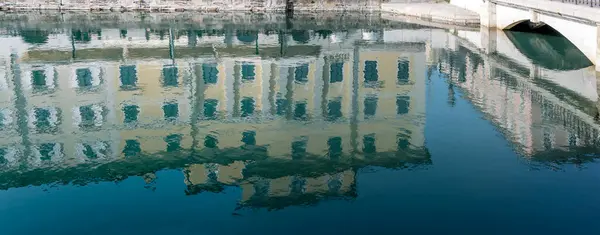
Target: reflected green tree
[(247, 36), (34, 36), (301, 36)]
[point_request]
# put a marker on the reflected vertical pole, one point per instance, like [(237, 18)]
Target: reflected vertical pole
[(236, 89), (72, 45), (272, 84), (171, 46), (289, 95), (197, 102), (21, 108), (354, 115), (256, 43), (326, 81)]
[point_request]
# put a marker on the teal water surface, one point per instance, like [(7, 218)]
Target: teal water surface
[(267, 125)]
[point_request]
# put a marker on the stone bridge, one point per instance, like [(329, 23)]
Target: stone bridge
[(580, 24)]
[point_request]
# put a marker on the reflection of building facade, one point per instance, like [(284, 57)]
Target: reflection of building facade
[(526, 114), (302, 100)]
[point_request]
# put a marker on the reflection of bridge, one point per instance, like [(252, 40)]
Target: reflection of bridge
[(516, 95), (536, 114), (287, 128)]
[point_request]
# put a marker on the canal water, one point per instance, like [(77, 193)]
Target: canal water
[(343, 125)]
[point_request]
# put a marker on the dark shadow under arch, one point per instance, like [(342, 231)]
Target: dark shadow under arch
[(545, 46)]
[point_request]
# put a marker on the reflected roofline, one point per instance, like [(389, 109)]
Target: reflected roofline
[(144, 163)]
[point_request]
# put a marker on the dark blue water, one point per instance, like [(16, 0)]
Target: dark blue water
[(471, 152)]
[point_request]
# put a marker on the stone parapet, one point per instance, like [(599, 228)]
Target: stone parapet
[(436, 12), (559, 8)]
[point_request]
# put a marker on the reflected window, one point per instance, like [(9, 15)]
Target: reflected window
[(211, 141), (212, 172), (171, 111), (281, 105), (403, 141), (261, 188), (301, 74), (94, 151), (572, 140), (369, 144), (299, 148), (248, 73), (38, 78), (84, 77), (44, 120), (173, 142), (298, 186), (131, 113), (462, 72), (170, 76), (371, 73), (132, 148), (210, 73), (334, 109), (88, 115), (370, 106), (249, 137), (402, 104), (403, 72), (210, 108), (335, 147), (247, 106), (128, 76), (334, 184), (89, 152), (548, 139), (336, 72), (48, 151), (300, 111)]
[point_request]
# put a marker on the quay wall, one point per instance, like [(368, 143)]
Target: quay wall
[(192, 5)]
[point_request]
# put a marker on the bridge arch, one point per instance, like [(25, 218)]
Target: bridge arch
[(585, 36), (545, 46)]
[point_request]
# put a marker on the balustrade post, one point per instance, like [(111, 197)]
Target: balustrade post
[(534, 71), (488, 15), (489, 37), (534, 16), (597, 62)]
